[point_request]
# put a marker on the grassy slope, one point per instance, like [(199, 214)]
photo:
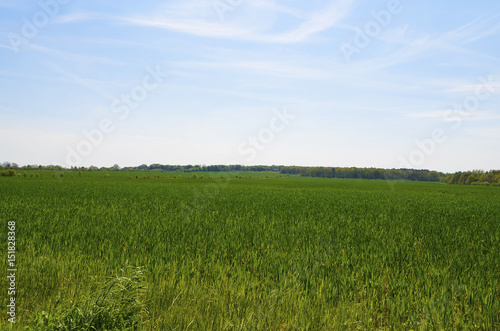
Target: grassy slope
[(271, 253)]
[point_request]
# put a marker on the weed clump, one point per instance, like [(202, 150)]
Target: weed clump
[(117, 305)]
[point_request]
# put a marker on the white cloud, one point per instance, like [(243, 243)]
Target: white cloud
[(78, 17), (398, 35), (93, 85), (267, 67), (5, 46), (273, 6), (314, 24), (73, 57), (472, 88), (451, 116), (418, 45), (433, 114)]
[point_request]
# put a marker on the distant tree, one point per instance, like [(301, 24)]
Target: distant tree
[(434, 176), (471, 179), (462, 179)]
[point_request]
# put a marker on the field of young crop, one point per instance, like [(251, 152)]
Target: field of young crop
[(254, 253)]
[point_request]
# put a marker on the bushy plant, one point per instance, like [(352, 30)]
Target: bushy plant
[(117, 305), (8, 173)]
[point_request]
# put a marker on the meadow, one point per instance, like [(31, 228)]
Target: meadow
[(258, 251)]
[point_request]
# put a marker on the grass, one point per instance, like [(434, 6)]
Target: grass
[(117, 305), (277, 253)]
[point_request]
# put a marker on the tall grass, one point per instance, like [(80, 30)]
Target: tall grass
[(117, 305)]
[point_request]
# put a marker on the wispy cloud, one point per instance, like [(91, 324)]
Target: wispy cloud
[(88, 83), (5, 46), (317, 23), (473, 31), (273, 6), (411, 45), (264, 67), (79, 17), (398, 35), (449, 116), (314, 24), (191, 26), (472, 88), (76, 57)]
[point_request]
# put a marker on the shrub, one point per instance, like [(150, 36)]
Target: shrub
[(8, 173)]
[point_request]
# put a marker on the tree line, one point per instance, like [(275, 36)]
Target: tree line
[(364, 173), (475, 177), (203, 168), (146, 168)]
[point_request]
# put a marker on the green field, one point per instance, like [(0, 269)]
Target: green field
[(148, 251)]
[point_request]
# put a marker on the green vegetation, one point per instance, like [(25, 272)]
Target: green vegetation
[(153, 167), (8, 173), (117, 305), (365, 173), (261, 251), (326, 172), (476, 177)]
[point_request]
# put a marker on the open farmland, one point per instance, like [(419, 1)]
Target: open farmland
[(276, 253)]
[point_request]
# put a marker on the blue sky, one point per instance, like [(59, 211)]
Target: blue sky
[(368, 84)]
